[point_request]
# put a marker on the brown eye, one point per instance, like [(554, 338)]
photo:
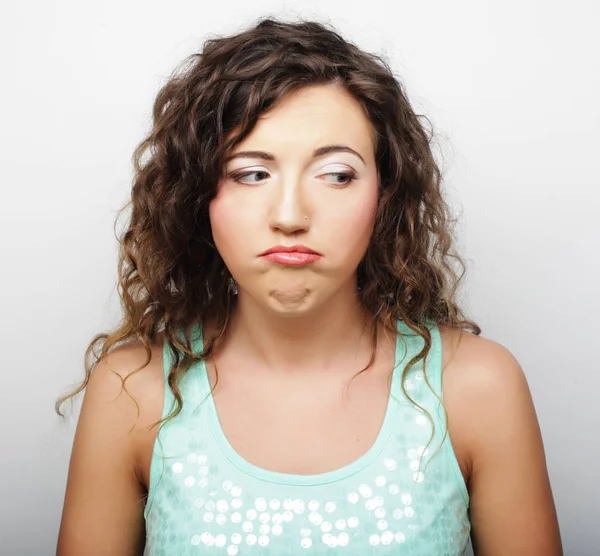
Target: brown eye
[(239, 176), (342, 178)]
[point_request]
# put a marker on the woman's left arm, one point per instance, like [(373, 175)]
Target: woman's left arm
[(493, 421)]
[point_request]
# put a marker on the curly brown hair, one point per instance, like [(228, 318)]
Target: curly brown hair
[(170, 275)]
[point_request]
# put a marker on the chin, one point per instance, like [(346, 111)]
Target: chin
[(291, 301)]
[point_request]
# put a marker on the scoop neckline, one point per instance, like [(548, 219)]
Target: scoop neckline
[(293, 479)]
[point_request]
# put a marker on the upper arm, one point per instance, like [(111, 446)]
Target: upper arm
[(493, 421), (104, 500)]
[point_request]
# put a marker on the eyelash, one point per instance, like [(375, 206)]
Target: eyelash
[(350, 175)]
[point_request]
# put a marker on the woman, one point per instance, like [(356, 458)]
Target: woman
[(289, 306)]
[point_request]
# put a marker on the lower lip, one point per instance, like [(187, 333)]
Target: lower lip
[(293, 258)]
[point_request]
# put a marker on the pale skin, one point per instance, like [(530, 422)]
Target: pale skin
[(297, 334)]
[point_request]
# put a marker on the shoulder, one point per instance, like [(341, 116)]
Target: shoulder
[(485, 394), (478, 362), (126, 392), (130, 371)]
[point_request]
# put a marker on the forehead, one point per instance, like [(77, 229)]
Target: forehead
[(313, 116)]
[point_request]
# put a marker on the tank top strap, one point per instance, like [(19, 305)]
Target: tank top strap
[(189, 384), (433, 363), (421, 386), (433, 373), (427, 370)]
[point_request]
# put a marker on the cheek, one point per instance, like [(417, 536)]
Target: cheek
[(227, 230), (352, 226)]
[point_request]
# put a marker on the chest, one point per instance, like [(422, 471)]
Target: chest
[(302, 425)]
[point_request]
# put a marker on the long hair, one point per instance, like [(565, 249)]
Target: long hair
[(170, 275)]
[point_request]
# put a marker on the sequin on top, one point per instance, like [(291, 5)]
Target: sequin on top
[(403, 496)]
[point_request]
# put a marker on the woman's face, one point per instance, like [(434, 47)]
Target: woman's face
[(305, 176)]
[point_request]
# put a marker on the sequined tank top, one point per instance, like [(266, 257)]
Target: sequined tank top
[(405, 495)]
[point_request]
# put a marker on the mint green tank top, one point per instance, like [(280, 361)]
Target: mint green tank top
[(405, 495)]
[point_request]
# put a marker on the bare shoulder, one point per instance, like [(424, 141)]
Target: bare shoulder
[(132, 371), (483, 384), (134, 382), (478, 362)]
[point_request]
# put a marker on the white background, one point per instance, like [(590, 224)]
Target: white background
[(512, 88)]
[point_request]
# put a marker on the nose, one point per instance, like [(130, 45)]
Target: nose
[(289, 211)]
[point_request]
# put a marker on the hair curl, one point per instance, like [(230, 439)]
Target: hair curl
[(170, 275)]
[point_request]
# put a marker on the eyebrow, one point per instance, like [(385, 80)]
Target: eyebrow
[(321, 151)]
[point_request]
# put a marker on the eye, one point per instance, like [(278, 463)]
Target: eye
[(239, 176), (342, 178)]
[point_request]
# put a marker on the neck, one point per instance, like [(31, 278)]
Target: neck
[(317, 341)]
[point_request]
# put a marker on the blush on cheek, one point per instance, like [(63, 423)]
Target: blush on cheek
[(222, 226), (361, 220), (234, 237), (354, 237)]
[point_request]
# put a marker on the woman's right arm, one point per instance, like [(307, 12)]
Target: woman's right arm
[(104, 500)]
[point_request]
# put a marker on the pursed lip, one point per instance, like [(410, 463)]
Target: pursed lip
[(290, 249)]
